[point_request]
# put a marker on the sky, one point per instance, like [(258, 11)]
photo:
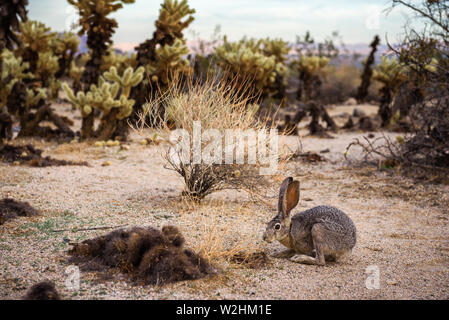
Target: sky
[(356, 20)]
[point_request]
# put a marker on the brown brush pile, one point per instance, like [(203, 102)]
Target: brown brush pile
[(42, 291), (10, 209), (33, 157), (148, 255)]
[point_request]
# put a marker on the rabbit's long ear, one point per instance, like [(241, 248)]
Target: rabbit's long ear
[(282, 191), (288, 196)]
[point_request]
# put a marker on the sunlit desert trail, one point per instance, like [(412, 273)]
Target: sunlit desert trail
[(240, 167)]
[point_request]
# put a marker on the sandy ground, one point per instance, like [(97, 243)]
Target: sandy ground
[(402, 226)]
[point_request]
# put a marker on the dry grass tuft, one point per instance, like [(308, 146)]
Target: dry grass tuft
[(252, 260), (226, 235)]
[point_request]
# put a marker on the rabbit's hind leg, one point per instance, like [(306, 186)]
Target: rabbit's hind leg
[(319, 247)]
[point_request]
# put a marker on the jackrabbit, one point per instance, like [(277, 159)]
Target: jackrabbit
[(313, 236)]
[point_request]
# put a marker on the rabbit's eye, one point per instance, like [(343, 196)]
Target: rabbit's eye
[(277, 226)]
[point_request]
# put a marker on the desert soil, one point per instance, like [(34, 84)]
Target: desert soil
[(402, 225)]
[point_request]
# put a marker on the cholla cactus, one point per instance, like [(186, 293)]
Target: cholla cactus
[(64, 46), (47, 65), (77, 69), (162, 55), (391, 73), (66, 43), (35, 96), (38, 50), (174, 17), (11, 12), (14, 70), (277, 48), (129, 79), (94, 21), (105, 97), (20, 100), (311, 64), (260, 62), (36, 38), (36, 35), (169, 63), (99, 27), (310, 69), (120, 61), (46, 69), (171, 17)]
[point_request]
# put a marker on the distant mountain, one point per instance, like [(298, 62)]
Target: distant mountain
[(365, 49)]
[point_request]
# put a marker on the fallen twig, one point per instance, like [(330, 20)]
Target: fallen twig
[(90, 229)]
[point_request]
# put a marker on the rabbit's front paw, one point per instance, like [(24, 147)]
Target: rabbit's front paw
[(303, 259), (286, 254)]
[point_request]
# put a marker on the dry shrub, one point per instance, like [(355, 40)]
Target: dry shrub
[(412, 155), (216, 103), (32, 156), (429, 145), (42, 291), (148, 255), (10, 209)]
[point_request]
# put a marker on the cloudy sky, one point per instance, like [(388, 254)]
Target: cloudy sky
[(356, 20)]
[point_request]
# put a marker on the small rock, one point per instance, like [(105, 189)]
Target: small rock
[(325, 151), (106, 164), (375, 249), (144, 142), (16, 163)]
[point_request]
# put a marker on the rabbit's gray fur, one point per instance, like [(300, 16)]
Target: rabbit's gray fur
[(313, 236)]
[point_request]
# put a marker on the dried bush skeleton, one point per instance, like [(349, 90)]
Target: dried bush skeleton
[(212, 105)]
